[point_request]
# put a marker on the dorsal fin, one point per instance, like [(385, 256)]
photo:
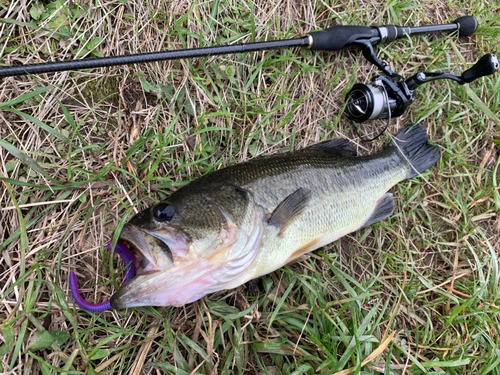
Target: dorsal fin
[(384, 208), (337, 146), (288, 210)]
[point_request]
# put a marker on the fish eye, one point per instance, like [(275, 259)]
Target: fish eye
[(164, 212)]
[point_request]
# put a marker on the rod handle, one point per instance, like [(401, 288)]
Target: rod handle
[(337, 38), (466, 25)]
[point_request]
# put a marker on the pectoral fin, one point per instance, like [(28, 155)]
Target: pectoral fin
[(289, 209), (385, 207)]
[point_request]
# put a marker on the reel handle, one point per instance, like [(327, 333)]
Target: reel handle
[(488, 64)]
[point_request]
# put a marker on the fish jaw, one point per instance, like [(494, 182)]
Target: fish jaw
[(173, 287), (189, 278)]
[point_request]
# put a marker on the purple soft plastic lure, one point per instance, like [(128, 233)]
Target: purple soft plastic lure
[(128, 259)]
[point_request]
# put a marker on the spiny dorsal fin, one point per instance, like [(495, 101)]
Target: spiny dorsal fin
[(384, 208), (288, 210), (337, 146)]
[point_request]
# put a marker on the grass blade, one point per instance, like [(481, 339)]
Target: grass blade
[(24, 97), (49, 129), (25, 159)]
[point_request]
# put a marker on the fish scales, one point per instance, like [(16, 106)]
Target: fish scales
[(344, 193)]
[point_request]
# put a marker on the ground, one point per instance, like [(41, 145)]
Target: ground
[(82, 151)]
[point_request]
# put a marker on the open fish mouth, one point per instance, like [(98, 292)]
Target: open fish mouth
[(142, 254), (129, 272), (140, 262)]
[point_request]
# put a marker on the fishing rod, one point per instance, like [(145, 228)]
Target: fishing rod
[(332, 39)]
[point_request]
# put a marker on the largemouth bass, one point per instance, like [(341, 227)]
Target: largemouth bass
[(245, 221)]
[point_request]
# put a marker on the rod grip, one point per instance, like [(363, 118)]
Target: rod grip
[(337, 38), (466, 25)]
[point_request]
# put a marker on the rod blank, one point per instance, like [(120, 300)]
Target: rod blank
[(149, 57)]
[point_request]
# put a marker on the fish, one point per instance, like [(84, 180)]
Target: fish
[(245, 221)]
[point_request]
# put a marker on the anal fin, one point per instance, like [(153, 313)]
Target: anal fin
[(384, 208), (288, 210)]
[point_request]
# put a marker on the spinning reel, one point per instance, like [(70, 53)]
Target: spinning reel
[(389, 96)]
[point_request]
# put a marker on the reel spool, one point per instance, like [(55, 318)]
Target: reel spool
[(368, 102)]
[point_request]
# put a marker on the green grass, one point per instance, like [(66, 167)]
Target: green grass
[(83, 151)]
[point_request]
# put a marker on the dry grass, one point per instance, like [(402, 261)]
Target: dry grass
[(415, 294)]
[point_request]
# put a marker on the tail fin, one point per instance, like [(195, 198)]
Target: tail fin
[(412, 143)]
